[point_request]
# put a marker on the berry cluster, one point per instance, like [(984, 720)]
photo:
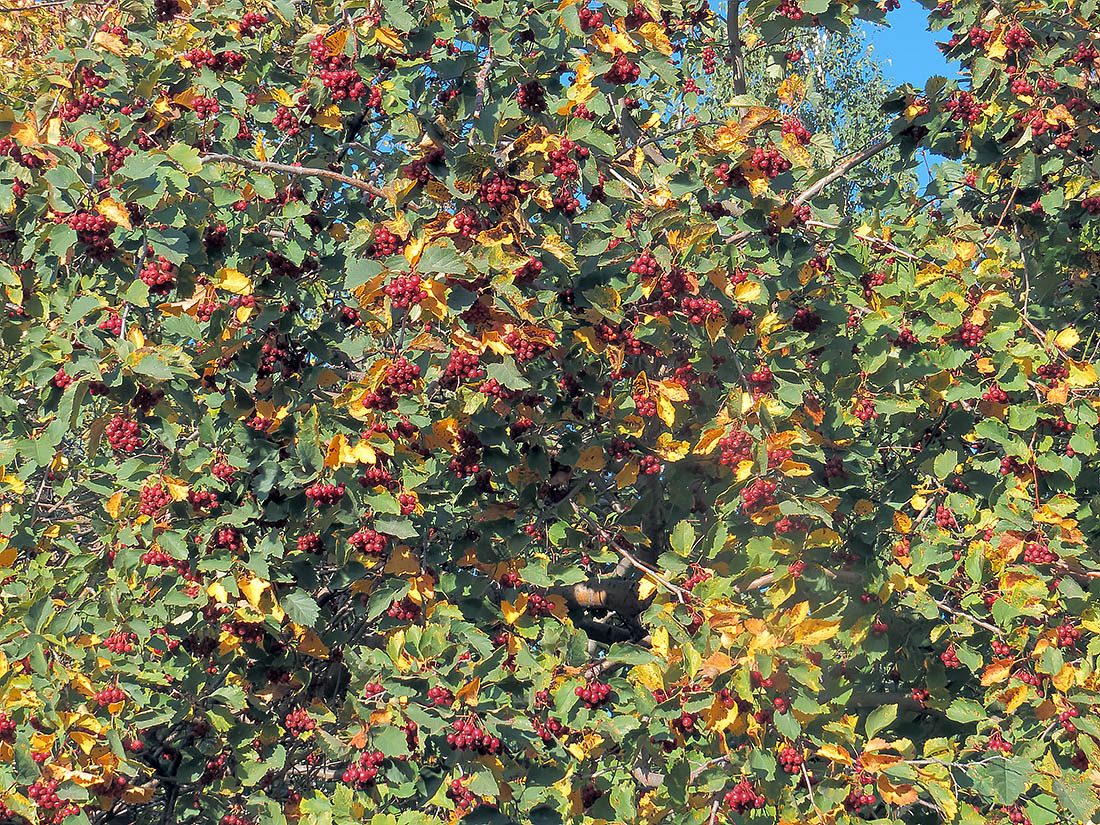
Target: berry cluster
[(762, 381), (945, 518), (468, 460), (310, 543), (793, 126), (864, 409), (698, 576), (590, 20), (467, 735), (736, 447), (790, 759), (744, 798), (111, 324), (118, 642), (496, 189), (758, 495), (228, 538), (963, 107), (700, 310), (202, 500), (791, 524), (405, 610), (593, 694), (223, 472), (524, 349), (531, 96), (62, 380), (649, 465), (159, 275), (528, 272), (154, 497), (94, 232), (460, 795), (344, 84), (251, 22), (950, 657), (1038, 553), (805, 320), (385, 243), (109, 696), (362, 773), (405, 290), (622, 71), (369, 542), (646, 266), (44, 794), (971, 335), (377, 476), (441, 696), (566, 202), (1068, 635), (286, 122), (325, 495), (538, 605), (298, 721)]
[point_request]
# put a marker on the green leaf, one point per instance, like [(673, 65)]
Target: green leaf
[(945, 463), (880, 718), (300, 607)]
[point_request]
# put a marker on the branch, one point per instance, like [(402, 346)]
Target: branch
[(301, 171), (736, 56), (844, 168)]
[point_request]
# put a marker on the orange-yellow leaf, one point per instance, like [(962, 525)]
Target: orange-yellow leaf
[(113, 504), (114, 211), (512, 611), (468, 693), (996, 672), (591, 459), (233, 280)]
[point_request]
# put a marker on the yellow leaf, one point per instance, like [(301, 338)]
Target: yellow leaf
[(329, 117), (654, 35), (795, 469), (708, 442), (1013, 697), (177, 488), (8, 555), (135, 336), (666, 411), (669, 448), (877, 762), (253, 590), (747, 291), (233, 280), (647, 587), (901, 793), (659, 644), (1063, 680), (388, 37), (114, 211), (511, 611), (109, 42), (95, 144), (216, 591), (997, 671), (310, 643), (672, 390), (403, 562), (718, 717), (591, 459), (113, 504), (902, 522), (53, 131), (468, 693), (863, 507), (259, 150), (611, 41), (1067, 339), (24, 133), (627, 475), (282, 97), (965, 250), (835, 753), (815, 631), (1081, 374)]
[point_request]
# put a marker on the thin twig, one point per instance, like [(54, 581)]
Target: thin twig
[(287, 169), (737, 58)]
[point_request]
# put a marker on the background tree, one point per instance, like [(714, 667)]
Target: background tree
[(399, 421)]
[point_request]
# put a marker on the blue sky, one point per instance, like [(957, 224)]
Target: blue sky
[(906, 49)]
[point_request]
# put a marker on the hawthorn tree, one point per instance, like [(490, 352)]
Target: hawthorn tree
[(416, 411)]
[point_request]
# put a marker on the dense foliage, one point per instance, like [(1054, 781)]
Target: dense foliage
[(417, 410)]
